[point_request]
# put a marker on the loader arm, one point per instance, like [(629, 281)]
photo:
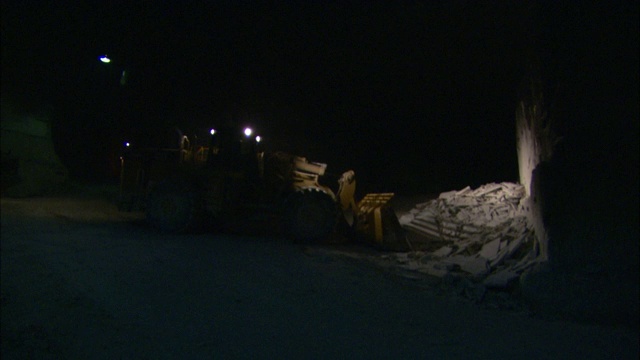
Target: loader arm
[(372, 218), (347, 190)]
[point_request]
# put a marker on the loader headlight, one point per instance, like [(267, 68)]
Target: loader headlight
[(212, 131), (258, 138), (248, 132)]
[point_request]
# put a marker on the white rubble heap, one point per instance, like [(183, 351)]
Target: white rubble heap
[(485, 230)]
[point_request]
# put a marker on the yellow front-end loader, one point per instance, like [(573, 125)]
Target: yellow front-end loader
[(224, 181)]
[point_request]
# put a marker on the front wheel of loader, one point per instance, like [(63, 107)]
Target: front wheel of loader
[(174, 206), (310, 215)]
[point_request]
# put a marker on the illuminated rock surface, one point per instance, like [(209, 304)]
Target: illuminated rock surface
[(485, 233)]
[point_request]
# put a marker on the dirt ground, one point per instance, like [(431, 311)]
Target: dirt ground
[(81, 280)]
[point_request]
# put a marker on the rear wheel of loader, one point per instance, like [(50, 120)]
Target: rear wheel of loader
[(174, 206), (310, 215)]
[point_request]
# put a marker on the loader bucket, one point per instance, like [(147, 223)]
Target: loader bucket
[(378, 223)]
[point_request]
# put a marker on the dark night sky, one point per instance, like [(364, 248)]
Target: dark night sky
[(424, 89)]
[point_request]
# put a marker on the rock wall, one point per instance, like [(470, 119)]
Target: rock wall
[(535, 144), (30, 165)]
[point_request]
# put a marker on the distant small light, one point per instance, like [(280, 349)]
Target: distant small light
[(248, 132), (127, 144), (258, 138), (105, 59), (212, 131), (123, 78)]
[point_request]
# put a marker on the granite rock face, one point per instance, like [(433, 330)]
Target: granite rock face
[(30, 165)]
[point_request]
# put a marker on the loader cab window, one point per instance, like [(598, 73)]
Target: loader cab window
[(171, 139), (226, 148)]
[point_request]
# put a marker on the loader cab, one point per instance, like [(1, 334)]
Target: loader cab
[(231, 148)]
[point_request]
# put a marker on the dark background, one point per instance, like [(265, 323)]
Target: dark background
[(418, 97), (415, 96)]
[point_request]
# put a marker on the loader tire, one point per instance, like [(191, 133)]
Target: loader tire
[(175, 207), (310, 216)]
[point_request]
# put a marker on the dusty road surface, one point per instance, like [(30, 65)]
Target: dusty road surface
[(80, 280)]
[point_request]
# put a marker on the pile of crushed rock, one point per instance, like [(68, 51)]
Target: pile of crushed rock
[(482, 233)]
